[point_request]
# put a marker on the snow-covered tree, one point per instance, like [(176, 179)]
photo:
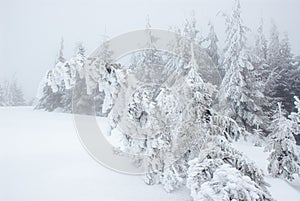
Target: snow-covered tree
[(219, 148), (148, 64), (16, 97), (182, 45), (227, 184), (169, 119), (238, 89), (215, 153), (55, 91), (11, 93), (60, 57), (295, 117), (260, 55), (260, 77), (294, 78), (282, 69), (199, 172), (212, 49), (284, 160)]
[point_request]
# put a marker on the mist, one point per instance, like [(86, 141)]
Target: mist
[(30, 31)]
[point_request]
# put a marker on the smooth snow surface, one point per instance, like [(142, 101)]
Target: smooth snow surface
[(41, 159)]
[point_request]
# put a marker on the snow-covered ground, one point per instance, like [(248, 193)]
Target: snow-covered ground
[(41, 158)]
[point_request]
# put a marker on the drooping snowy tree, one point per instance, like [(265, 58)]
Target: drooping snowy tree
[(219, 148), (227, 184), (284, 159), (169, 119), (103, 78), (81, 101), (218, 152), (47, 99), (199, 172), (51, 88), (238, 91), (55, 91)]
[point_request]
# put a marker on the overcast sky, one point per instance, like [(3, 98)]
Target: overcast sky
[(30, 30)]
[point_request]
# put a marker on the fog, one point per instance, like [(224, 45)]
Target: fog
[(30, 31)]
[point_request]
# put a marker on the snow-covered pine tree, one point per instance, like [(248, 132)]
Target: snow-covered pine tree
[(294, 78), (273, 60), (227, 184), (259, 60), (238, 90), (103, 78), (81, 101), (182, 44), (176, 113), (281, 70), (218, 148), (283, 87), (295, 117), (284, 159), (217, 152), (48, 100), (260, 54), (212, 48), (52, 93), (56, 89), (73, 72), (148, 64), (60, 57), (199, 172)]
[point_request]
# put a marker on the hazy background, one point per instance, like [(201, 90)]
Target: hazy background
[(31, 30)]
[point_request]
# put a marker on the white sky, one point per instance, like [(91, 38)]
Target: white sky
[(30, 30)]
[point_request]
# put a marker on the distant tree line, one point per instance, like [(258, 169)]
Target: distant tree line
[(11, 93)]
